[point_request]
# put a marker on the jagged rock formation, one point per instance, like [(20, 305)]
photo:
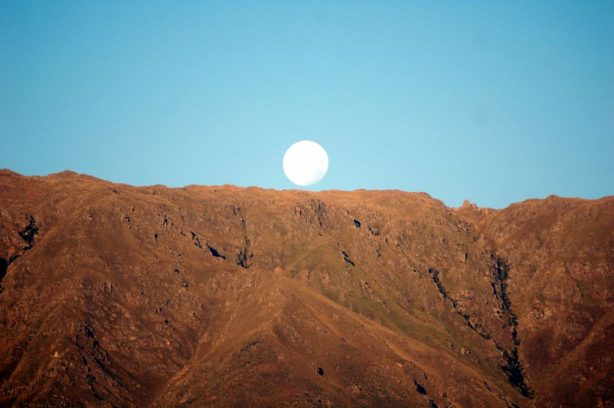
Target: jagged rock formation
[(113, 295)]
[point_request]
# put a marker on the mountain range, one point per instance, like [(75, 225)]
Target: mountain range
[(120, 296)]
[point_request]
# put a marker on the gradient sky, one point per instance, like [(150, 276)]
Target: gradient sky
[(491, 101)]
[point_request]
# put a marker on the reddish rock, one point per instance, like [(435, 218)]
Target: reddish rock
[(113, 295)]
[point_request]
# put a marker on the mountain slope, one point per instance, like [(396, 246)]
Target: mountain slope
[(114, 295)]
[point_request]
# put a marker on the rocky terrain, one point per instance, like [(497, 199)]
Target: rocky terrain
[(113, 295)]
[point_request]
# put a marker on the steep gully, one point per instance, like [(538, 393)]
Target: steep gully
[(513, 368), (28, 235)]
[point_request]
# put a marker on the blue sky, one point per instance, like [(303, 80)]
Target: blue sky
[(491, 101)]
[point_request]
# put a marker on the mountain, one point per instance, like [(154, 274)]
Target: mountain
[(114, 295)]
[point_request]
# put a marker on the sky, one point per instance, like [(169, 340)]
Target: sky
[(491, 101)]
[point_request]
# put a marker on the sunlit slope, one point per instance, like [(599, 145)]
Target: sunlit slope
[(225, 296)]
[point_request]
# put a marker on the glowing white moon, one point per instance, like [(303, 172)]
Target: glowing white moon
[(305, 163)]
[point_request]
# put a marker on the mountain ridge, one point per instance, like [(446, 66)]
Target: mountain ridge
[(7, 171)]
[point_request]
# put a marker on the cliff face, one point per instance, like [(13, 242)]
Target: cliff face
[(113, 295)]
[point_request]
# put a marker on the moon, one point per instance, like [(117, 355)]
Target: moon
[(305, 163)]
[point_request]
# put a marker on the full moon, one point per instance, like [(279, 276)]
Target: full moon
[(305, 163)]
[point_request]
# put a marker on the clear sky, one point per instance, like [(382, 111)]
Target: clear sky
[(494, 101)]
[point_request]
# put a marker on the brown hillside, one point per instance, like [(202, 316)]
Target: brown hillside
[(113, 295)]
